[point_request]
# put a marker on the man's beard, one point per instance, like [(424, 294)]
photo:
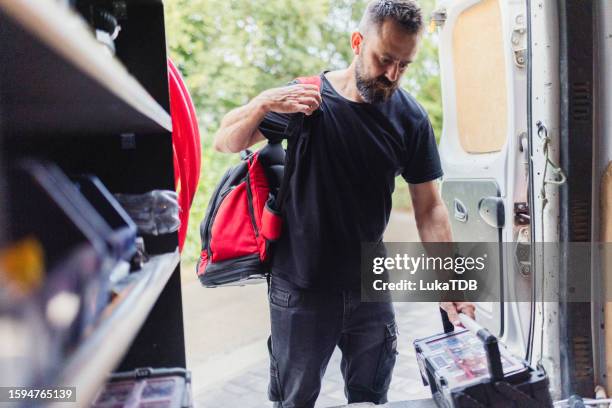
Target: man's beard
[(373, 90)]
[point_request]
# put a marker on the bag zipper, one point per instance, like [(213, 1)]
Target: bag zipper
[(250, 203)]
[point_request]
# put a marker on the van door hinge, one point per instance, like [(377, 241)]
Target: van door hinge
[(519, 41), (522, 252), (437, 20), (521, 214)]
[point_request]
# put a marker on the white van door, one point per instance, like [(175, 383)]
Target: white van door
[(483, 51)]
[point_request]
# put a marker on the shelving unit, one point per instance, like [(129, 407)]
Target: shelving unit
[(66, 99), (102, 97)]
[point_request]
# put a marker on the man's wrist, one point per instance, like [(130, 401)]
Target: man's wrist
[(261, 106)]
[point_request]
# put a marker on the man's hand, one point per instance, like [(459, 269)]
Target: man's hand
[(454, 308), (304, 98), (238, 129)]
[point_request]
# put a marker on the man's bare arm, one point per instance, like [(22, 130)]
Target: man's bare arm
[(434, 226), (238, 129), (430, 213)]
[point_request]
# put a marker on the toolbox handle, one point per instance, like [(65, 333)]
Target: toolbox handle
[(490, 345), (446, 323)]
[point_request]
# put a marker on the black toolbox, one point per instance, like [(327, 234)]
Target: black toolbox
[(470, 368)]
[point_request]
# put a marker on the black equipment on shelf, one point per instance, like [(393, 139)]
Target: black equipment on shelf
[(45, 204), (83, 232), (47, 208), (122, 239)]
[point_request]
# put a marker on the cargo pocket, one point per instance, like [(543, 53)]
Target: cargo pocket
[(386, 361), (274, 389), (279, 297)]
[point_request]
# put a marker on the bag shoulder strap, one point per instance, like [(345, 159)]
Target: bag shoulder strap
[(310, 80), (296, 122)]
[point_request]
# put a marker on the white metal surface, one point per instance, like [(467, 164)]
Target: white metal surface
[(508, 166), (545, 221)]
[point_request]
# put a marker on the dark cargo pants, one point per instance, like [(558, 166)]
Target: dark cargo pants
[(308, 325)]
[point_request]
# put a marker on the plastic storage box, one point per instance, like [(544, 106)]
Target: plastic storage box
[(147, 388)]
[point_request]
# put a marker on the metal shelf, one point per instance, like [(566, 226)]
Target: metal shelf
[(103, 349), (56, 77)]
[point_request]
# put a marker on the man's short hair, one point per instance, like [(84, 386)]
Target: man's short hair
[(406, 13)]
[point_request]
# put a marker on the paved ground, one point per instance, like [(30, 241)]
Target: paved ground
[(226, 330)]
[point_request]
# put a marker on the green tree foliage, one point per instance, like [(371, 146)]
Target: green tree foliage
[(230, 50)]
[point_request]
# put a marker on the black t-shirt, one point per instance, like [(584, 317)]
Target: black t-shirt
[(340, 193)]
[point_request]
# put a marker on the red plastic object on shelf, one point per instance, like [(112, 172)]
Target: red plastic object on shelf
[(186, 146)]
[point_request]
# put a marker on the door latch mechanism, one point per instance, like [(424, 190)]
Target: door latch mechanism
[(521, 214)]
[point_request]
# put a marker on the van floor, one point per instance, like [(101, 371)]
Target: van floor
[(226, 331)]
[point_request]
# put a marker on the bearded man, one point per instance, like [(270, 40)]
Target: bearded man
[(368, 130)]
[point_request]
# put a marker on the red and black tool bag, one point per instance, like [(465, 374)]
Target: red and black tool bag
[(243, 215)]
